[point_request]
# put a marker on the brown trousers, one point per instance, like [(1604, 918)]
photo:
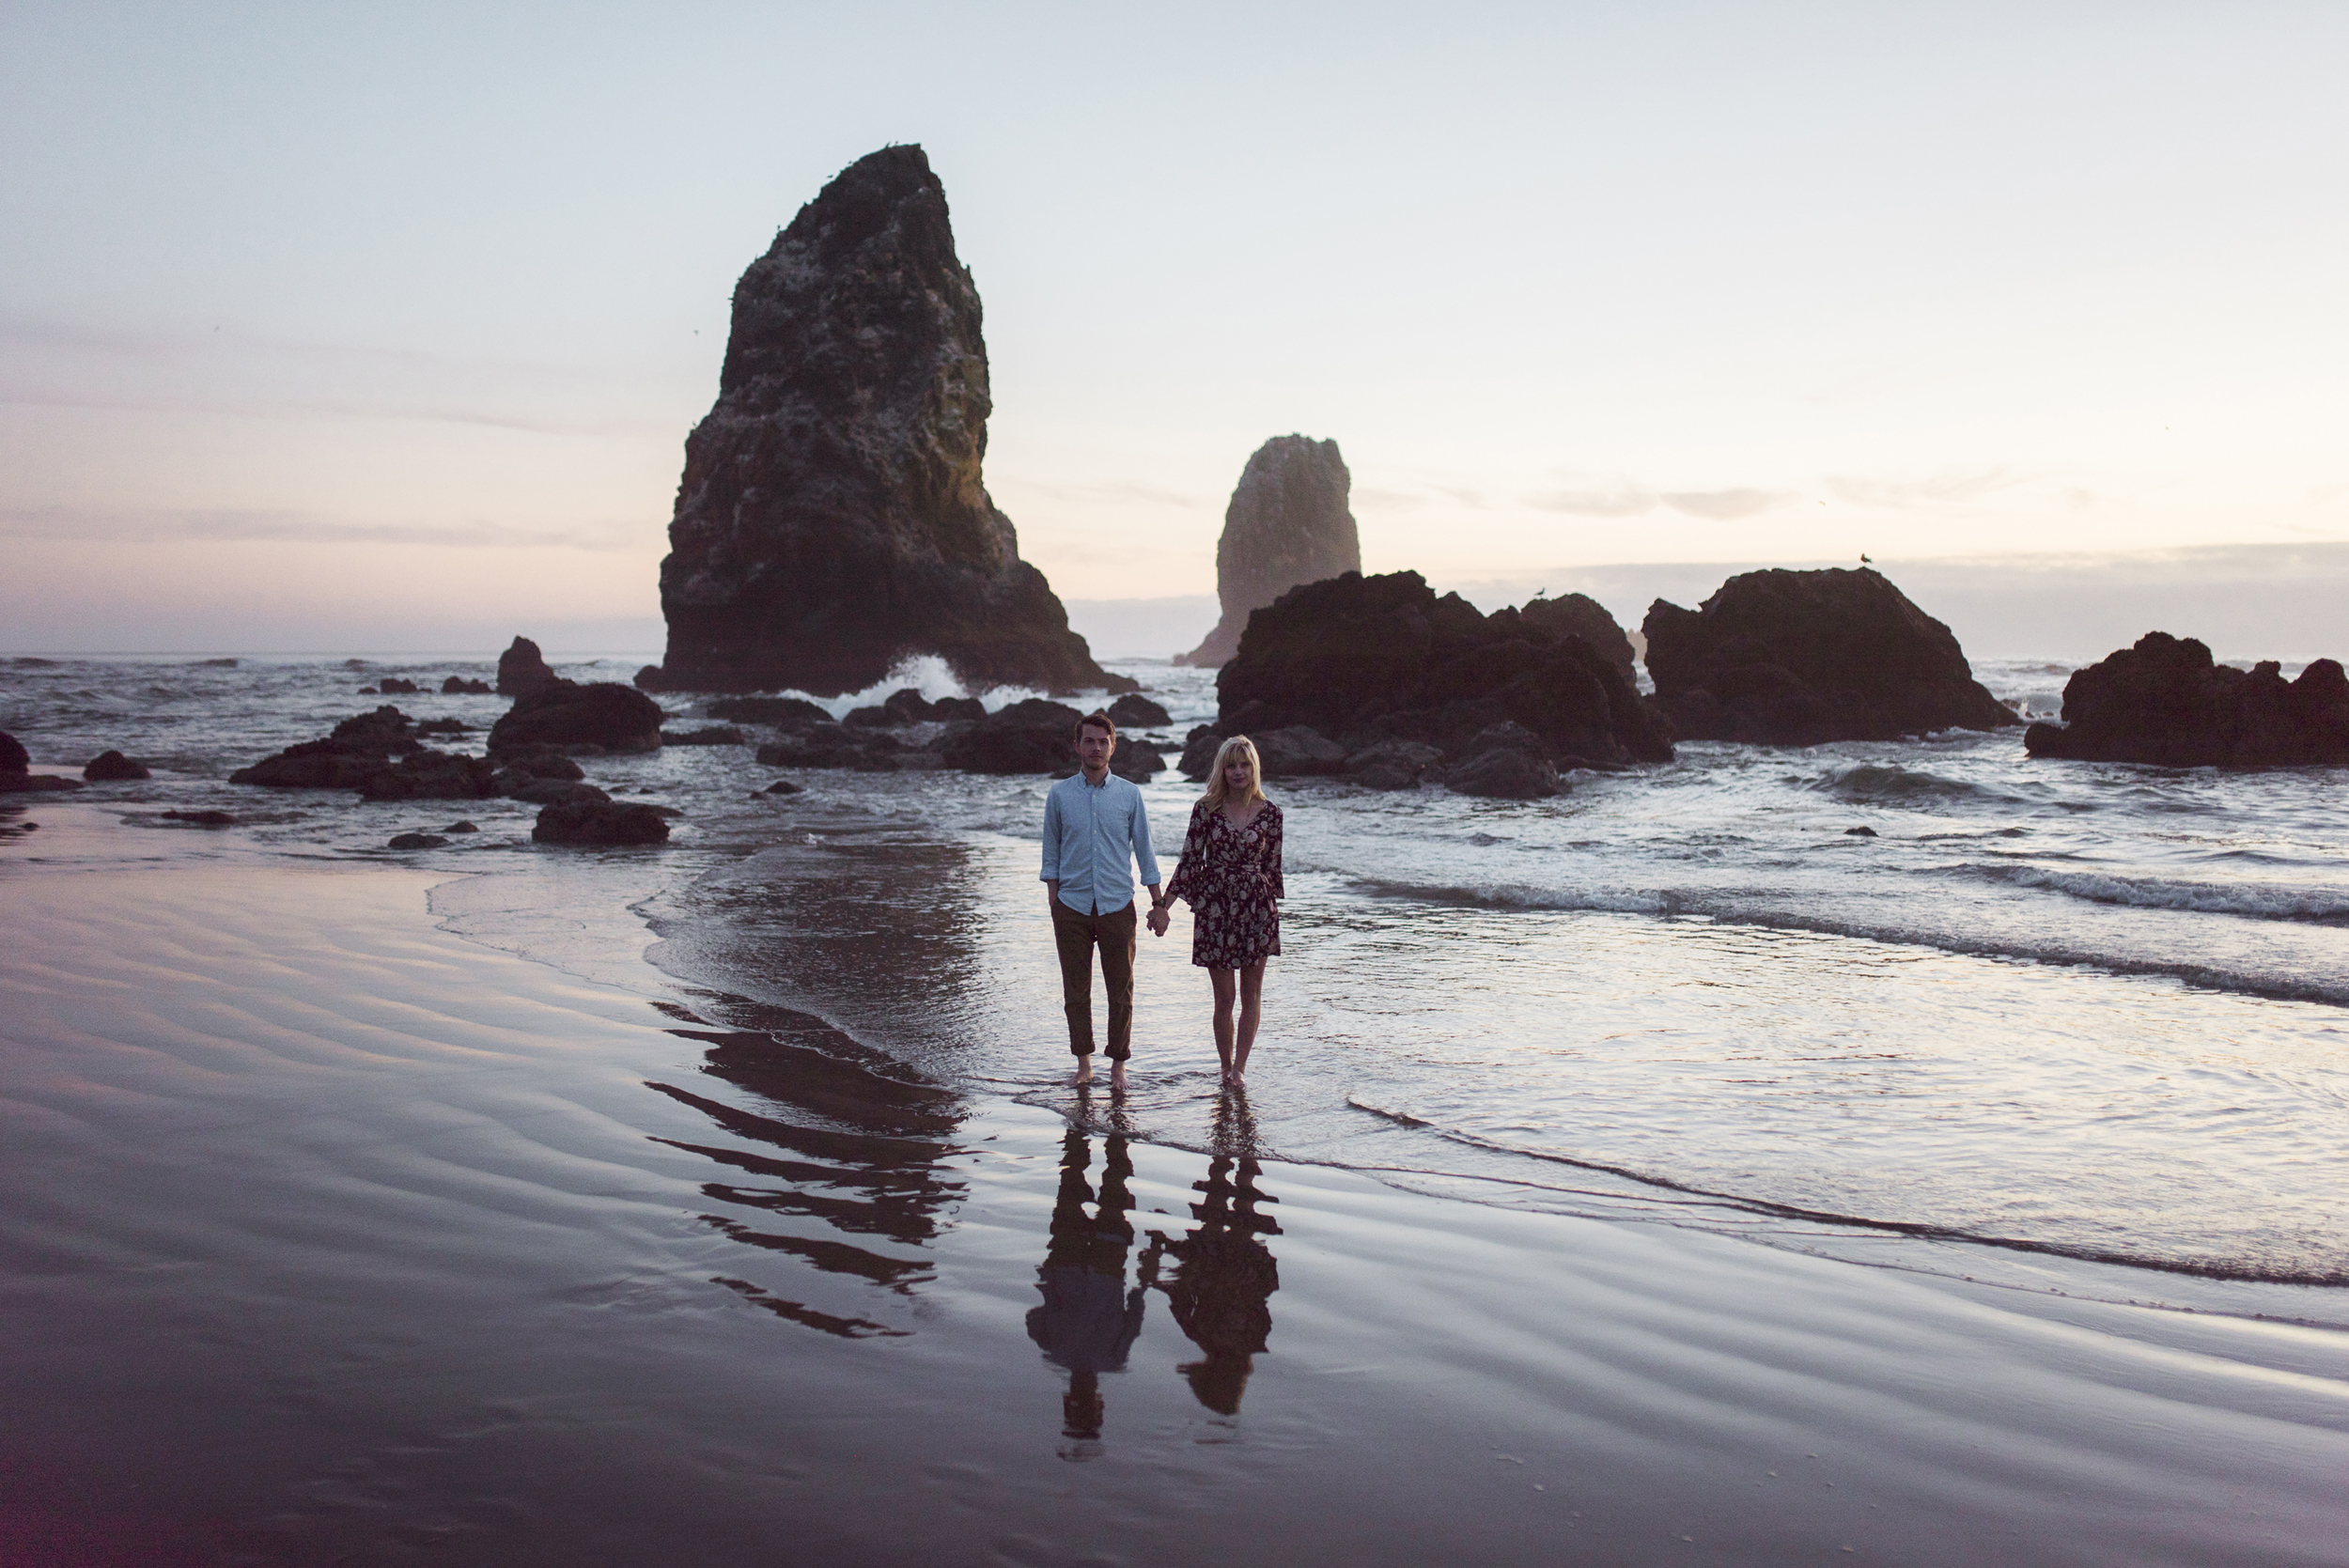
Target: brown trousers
[(1075, 934)]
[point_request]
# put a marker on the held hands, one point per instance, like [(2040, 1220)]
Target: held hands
[(1158, 921)]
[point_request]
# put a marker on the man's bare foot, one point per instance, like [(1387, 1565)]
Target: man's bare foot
[(1117, 1077), (1085, 1070)]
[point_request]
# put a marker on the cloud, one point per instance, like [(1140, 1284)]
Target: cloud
[(1724, 505), (1627, 502), (1116, 492), (1902, 494), (181, 527)]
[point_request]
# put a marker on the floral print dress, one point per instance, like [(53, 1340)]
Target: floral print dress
[(1231, 878)]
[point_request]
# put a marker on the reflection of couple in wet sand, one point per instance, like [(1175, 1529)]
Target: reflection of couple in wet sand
[(1097, 830), (1219, 1287)]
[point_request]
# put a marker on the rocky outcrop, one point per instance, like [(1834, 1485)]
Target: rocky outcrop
[(769, 710), (1137, 712), (832, 519), (1800, 658), (1581, 615), (359, 748), (112, 768), (602, 716), (16, 774), (2166, 701), (459, 686), (1287, 524), (1031, 737), (523, 670), (599, 822), (381, 755), (1367, 659)]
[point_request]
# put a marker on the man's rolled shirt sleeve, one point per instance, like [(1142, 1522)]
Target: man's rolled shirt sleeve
[(1142, 856), (1052, 839)]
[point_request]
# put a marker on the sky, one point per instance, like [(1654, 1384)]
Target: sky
[(373, 326)]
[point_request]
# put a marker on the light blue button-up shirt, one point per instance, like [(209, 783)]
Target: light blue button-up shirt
[(1094, 835)]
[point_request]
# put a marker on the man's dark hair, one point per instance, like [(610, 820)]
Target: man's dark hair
[(1099, 720)]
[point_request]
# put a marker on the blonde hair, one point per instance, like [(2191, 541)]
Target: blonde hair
[(1218, 792)]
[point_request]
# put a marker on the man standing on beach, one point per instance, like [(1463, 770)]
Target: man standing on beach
[(1095, 831)]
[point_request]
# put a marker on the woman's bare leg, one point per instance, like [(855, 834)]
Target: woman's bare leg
[(1251, 1014), (1223, 982)]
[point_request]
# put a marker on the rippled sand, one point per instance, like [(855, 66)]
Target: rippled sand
[(331, 1235)]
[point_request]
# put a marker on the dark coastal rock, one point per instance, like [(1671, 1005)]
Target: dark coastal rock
[(36, 783), (1199, 749), (392, 685), (567, 715), (14, 758), (459, 686), (1135, 711), (832, 518), (1368, 658), (416, 840), (1504, 774), (359, 748), (599, 822), (1800, 657), (539, 762), (1392, 764), (783, 786), (460, 827), (428, 775), (112, 768), (1296, 751), (782, 711), (1581, 615), (1137, 760), (717, 735), (2166, 701), (201, 818), (523, 670), (1288, 523), (1031, 737), (1860, 832), (443, 726)]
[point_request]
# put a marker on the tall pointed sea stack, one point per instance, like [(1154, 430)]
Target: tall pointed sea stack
[(833, 519), (1287, 524)]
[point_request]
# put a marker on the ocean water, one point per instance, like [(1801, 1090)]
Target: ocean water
[(2070, 1026)]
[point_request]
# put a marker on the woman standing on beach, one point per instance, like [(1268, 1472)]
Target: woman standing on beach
[(1230, 874)]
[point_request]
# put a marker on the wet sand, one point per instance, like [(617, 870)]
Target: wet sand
[(331, 1235)]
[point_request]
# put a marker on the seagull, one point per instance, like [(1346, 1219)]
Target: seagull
[(1865, 562)]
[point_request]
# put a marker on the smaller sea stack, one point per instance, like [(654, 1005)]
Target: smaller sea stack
[(2166, 701), (1288, 523), (1802, 657)]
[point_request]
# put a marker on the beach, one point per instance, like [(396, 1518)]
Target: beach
[(340, 1234)]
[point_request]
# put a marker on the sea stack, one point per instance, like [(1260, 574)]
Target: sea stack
[(2166, 701), (832, 519), (1288, 523), (1800, 657)]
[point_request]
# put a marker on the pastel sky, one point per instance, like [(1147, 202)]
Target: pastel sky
[(326, 321)]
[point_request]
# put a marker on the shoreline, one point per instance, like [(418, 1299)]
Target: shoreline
[(347, 1231)]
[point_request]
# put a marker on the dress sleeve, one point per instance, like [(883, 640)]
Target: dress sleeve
[(1272, 854), (1187, 868)]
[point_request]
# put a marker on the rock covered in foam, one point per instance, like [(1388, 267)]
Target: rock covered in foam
[(2164, 700), (1800, 657), (1288, 523), (832, 518)]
